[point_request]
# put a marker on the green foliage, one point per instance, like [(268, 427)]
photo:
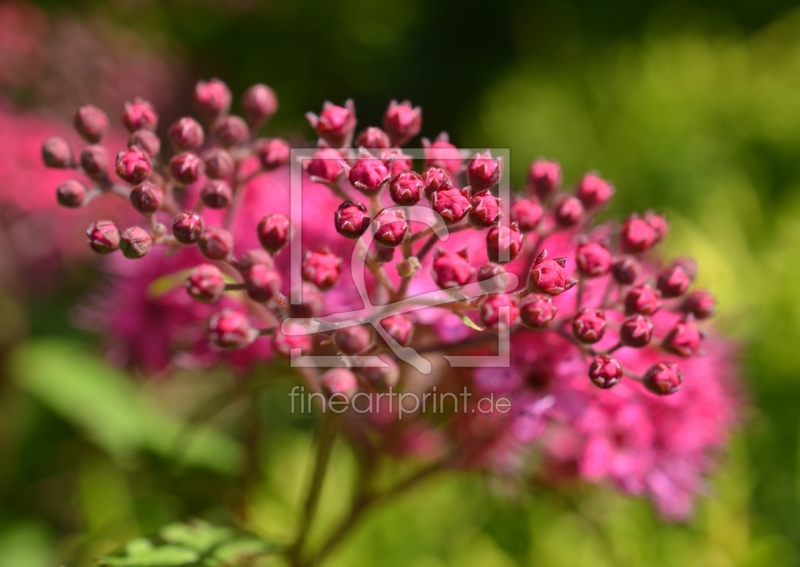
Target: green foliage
[(195, 544)]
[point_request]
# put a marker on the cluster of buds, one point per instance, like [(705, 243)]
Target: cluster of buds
[(618, 292)]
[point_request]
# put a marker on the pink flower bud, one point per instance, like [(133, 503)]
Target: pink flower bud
[(526, 213), (133, 165), (406, 188), (285, 344), (71, 193), (259, 103), (381, 378), (351, 219), (402, 122), (699, 303), (322, 268), (215, 243), (636, 235), (94, 160), (503, 243), (57, 153), (326, 165), (636, 332), (139, 115), (499, 311), (91, 123), (484, 171), (186, 168), (335, 124), (186, 134), (451, 269), (594, 191), (589, 325), (231, 131), (544, 178), (626, 269), (396, 162), (391, 227), (312, 301), (339, 382), (205, 283), (549, 276), (484, 209), (451, 203), (399, 327), (593, 260), (373, 138), (272, 153), (568, 212), (254, 257), (659, 225), (147, 197), (673, 281), (368, 175), (103, 237), (605, 372), (441, 153), (216, 194), (145, 140), (352, 340), (187, 227), (537, 312), (262, 282), (230, 329), (212, 97), (487, 272), (135, 242), (274, 232), (218, 163), (663, 378), (435, 178), (642, 299), (684, 339)]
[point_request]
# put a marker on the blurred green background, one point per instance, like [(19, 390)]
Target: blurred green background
[(692, 108)]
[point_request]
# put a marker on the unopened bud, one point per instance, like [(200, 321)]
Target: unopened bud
[(145, 140), (335, 124), (272, 153), (186, 134), (339, 383), (103, 236), (537, 312), (147, 197), (215, 243), (594, 191), (187, 227), (544, 178), (399, 327), (139, 115), (216, 194), (133, 165), (351, 219), (407, 267), (484, 171), (568, 212), (186, 168), (352, 340), (636, 235), (626, 269), (135, 242), (71, 193), (526, 213), (406, 189), (259, 103), (488, 279), (94, 160), (218, 163), (56, 152), (231, 131), (205, 283), (274, 232), (451, 203), (503, 243), (91, 123), (699, 303), (605, 372), (229, 329), (322, 268), (499, 312), (402, 122), (673, 281), (684, 339), (391, 227), (484, 209), (451, 269), (212, 97), (369, 175), (373, 139), (594, 260), (549, 276), (326, 165), (642, 299), (589, 325), (663, 378), (262, 283), (284, 344), (636, 332)]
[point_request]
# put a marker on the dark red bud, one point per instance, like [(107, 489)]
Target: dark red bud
[(186, 168), (642, 299), (374, 139), (103, 237), (503, 243), (259, 103), (205, 283), (94, 160), (626, 269), (312, 301), (663, 378), (487, 272), (500, 311), (215, 243), (352, 340), (589, 325), (435, 178), (549, 276), (145, 140), (391, 227), (399, 327), (262, 282), (216, 194), (684, 339), (451, 203), (218, 163), (593, 260), (147, 197), (56, 152), (187, 227), (351, 219), (91, 123), (139, 115), (133, 165), (231, 131), (273, 153), (368, 175), (484, 171), (673, 281), (335, 124), (186, 134), (537, 312), (406, 188), (605, 372), (327, 165), (568, 212), (135, 242), (699, 303), (484, 209), (274, 232), (636, 332), (636, 235), (71, 193), (230, 329)]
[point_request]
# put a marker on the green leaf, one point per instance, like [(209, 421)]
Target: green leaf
[(105, 403), (470, 323), (194, 544)]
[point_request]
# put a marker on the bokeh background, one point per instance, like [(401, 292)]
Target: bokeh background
[(692, 108)]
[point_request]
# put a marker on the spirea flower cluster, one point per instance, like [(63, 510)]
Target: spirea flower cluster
[(614, 373)]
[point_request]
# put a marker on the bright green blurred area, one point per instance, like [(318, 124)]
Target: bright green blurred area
[(691, 110)]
